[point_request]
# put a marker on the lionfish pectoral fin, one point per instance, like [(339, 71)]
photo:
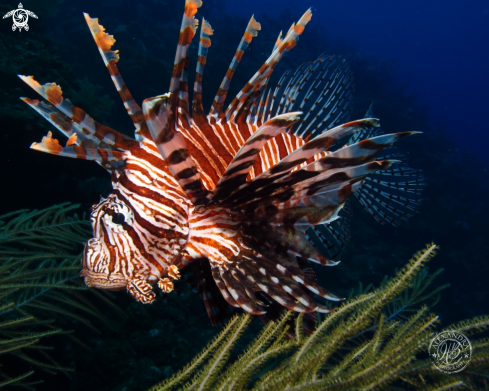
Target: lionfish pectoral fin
[(237, 171), (332, 238), (173, 148), (141, 290), (265, 184), (394, 194), (240, 279), (316, 200)]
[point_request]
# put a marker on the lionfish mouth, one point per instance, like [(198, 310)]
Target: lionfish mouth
[(93, 255), (102, 281)]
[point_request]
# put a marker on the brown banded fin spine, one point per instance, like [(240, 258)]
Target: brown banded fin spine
[(204, 44), (172, 147), (53, 94), (104, 43), (251, 31), (247, 194)]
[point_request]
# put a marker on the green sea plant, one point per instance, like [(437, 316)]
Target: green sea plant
[(377, 339), (40, 288)]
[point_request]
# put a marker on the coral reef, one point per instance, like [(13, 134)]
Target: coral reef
[(41, 295), (366, 344), (154, 341)]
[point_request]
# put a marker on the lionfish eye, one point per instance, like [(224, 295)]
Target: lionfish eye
[(118, 218)]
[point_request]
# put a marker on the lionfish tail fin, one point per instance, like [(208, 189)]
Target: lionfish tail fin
[(104, 43)]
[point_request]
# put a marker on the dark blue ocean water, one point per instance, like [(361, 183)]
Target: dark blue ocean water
[(424, 64), (439, 47)]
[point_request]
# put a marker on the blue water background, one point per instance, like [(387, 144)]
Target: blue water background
[(439, 47), (437, 50)]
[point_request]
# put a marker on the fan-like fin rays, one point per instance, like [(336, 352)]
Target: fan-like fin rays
[(315, 190), (394, 194), (299, 156), (323, 90), (331, 239)]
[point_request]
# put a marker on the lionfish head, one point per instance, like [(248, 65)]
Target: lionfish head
[(108, 252), (135, 243)]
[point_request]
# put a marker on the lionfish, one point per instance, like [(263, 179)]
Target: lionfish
[(254, 188)]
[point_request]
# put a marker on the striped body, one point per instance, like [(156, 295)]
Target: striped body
[(254, 188)]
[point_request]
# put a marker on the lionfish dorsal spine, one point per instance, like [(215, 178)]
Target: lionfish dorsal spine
[(173, 148), (93, 141), (206, 31), (251, 31), (254, 189), (178, 83), (104, 43), (261, 77), (52, 93)]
